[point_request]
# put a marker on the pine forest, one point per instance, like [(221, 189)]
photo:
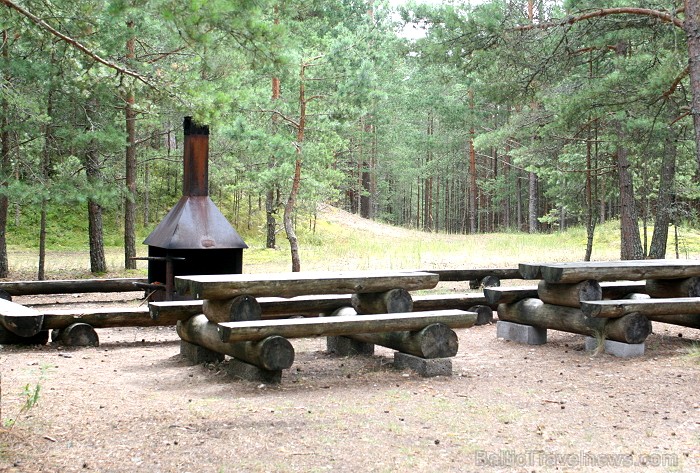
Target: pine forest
[(454, 117)]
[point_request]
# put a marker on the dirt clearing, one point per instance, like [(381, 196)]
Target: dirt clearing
[(134, 405)]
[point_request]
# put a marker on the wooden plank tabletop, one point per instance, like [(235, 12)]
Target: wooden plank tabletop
[(631, 270), (227, 286)]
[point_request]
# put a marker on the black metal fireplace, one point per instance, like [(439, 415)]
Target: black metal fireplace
[(194, 237)]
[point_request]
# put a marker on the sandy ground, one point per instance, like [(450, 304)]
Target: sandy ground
[(134, 405)]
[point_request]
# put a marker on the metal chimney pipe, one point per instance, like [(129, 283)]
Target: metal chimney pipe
[(196, 159)]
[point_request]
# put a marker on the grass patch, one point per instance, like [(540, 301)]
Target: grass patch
[(336, 240), (694, 352)]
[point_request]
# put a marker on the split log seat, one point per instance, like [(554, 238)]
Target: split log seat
[(684, 311), (313, 305), (343, 325), (507, 295), (71, 286)]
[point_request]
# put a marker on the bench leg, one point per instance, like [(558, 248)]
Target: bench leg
[(344, 346), (241, 370), (425, 367), (197, 355)]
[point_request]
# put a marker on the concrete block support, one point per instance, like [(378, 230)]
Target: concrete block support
[(619, 349), (197, 355), (245, 371), (520, 333), (344, 346), (423, 366)]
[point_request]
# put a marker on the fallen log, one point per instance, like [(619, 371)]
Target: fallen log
[(667, 288), (20, 320), (647, 307), (271, 352), (569, 295), (632, 328), (70, 286), (343, 325), (392, 301)]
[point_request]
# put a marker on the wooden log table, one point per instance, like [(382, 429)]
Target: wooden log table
[(633, 270), (228, 286)]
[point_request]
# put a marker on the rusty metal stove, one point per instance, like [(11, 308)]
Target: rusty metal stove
[(194, 237)]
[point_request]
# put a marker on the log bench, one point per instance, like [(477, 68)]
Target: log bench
[(236, 303), (610, 290), (71, 286), (570, 298), (343, 325), (313, 305), (684, 311)]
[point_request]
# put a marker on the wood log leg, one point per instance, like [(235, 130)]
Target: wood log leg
[(79, 335), (423, 367), (490, 281), (484, 314), (434, 341), (271, 353), (198, 355), (345, 346), (668, 288), (569, 295), (11, 338), (632, 329), (241, 370), (684, 320), (232, 310), (393, 301)]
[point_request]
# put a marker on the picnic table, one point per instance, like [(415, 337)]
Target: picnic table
[(382, 314), (301, 284), (629, 270)]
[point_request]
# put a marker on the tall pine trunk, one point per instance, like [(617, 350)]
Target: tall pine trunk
[(4, 158), (532, 202), (667, 176), (98, 263), (630, 241), (130, 166), (691, 26), (296, 179), (45, 176)]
